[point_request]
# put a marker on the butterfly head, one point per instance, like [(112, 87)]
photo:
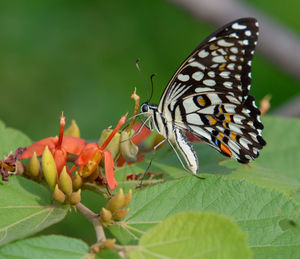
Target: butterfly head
[(145, 107)]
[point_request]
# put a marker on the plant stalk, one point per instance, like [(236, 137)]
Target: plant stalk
[(94, 219)]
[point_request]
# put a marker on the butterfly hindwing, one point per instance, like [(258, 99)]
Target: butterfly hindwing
[(209, 94)]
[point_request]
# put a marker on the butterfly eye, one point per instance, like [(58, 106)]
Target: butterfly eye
[(145, 107)]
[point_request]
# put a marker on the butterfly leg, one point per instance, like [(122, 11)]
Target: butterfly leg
[(149, 165), (138, 131), (178, 156)]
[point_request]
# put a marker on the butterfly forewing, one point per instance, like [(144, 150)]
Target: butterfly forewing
[(208, 94)]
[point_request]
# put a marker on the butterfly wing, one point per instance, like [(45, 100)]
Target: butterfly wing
[(209, 93)]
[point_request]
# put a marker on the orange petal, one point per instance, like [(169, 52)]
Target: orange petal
[(87, 154), (73, 145), (121, 161), (143, 134), (109, 170), (90, 167), (39, 147), (60, 158)]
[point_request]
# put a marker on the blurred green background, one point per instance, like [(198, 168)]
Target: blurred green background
[(79, 57)]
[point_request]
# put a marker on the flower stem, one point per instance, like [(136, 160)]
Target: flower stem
[(94, 219)]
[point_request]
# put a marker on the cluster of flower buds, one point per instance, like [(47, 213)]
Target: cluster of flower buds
[(124, 145), (61, 184), (115, 208), (52, 156), (106, 244)]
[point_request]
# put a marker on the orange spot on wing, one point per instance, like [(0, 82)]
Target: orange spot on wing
[(220, 136), (225, 149), (212, 121), (227, 118), (222, 67), (213, 47), (233, 136), (201, 101)]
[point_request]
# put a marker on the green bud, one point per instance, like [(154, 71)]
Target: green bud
[(105, 216), (116, 202), (73, 130), (127, 198), (65, 182), (114, 144), (58, 195), (49, 168), (120, 214), (34, 165), (75, 197), (127, 148), (77, 181), (109, 243)]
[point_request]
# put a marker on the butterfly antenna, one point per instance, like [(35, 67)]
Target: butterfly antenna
[(151, 78), (140, 71)]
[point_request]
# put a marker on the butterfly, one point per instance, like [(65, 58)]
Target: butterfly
[(208, 96)]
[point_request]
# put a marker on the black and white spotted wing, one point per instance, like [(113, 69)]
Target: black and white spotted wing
[(209, 96)]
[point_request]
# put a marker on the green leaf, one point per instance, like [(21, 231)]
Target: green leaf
[(52, 246), (193, 235), (25, 208), (108, 254), (11, 139), (279, 163), (256, 210)]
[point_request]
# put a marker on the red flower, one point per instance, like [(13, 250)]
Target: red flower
[(90, 157), (59, 147)]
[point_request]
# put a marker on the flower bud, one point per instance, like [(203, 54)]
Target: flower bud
[(89, 168), (95, 249), (77, 181), (105, 216), (73, 130), (34, 165), (114, 144), (127, 198), (109, 243), (20, 168), (58, 195), (116, 202), (120, 214), (94, 175), (265, 104), (65, 182), (75, 197), (49, 168), (127, 148)]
